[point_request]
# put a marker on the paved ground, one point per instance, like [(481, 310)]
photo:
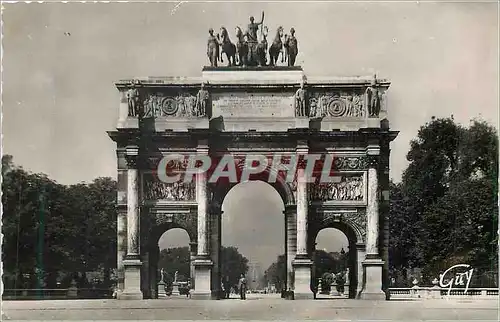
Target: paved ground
[(256, 307)]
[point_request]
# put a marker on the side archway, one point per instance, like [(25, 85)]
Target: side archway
[(351, 225), (151, 270)]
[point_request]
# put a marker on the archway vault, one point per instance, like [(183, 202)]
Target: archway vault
[(352, 222), (160, 218), (284, 189)]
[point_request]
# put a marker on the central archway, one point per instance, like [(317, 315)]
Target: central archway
[(253, 223), (224, 191)]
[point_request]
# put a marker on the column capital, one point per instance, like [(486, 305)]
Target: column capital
[(373, 155), (373, 160), (193, 247), (132, 156), (361, 247)]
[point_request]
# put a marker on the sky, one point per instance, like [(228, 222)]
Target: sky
[(60, 63)]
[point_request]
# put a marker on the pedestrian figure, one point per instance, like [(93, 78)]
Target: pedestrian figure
[(227, 287), (188, 294), (243, 287)]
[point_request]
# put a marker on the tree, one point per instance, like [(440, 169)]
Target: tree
[(91, 212), (32, 213), (51, 229), (325, 262), (404, 230), (233, 264), (444, 211), (175, 259), (326, 282), (276, 273)]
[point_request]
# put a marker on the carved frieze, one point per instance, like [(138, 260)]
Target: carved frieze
[(337, 105), (132, 161), (164, 218), (154, 189), (346, 188), (350, 163), (182, 105)]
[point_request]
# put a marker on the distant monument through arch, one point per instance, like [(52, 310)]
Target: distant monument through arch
[(252, 115)]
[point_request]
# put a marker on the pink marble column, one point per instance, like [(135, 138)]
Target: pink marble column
[(302, 263), (202, 264), (373, 264), (132, 263)]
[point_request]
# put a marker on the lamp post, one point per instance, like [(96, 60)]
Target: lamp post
[(26, 281), (343, 259)]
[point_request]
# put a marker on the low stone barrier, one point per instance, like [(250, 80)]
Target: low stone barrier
[(436, 292), (57, 294)]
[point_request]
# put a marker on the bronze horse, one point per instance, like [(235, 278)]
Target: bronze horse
[(241, 48), (227, 47), (276, 48)]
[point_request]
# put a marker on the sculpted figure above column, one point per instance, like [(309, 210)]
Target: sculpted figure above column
[(373, 98), (201, 101), (134, 99), (301, 100)]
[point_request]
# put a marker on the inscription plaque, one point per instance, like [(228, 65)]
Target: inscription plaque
[(249, 105)]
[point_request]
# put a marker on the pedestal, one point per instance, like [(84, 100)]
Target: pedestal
[(175, 289), (202, 268), (373, 122), (302, 268), (333, 289), (373, 280), (132, 287), (302, 123), (161, 290), (73, 290)]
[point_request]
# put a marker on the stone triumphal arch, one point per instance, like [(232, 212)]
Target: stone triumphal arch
[(245, 111)]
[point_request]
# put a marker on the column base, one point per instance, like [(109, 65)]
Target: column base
[(201, 295), (217, 295), (302, 296), (302, 273), (130, 296), (202, 276), (372, 289), (372, 296), (132, 283)]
